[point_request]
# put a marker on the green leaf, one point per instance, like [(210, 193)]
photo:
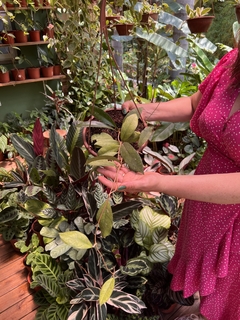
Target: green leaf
[(78, 162), (76, 239), (129, 125), (8, 214), (131, 157), (105, 218), (103, 116), (145, 136), (135, 266), (163, 132), (3, 143), (106, 291), (24, 148), (161, 252), (37, 207)]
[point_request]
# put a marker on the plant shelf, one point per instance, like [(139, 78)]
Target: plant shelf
[(13, 83), (22, 44), (29, 8)]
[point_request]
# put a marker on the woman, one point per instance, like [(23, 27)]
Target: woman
[(207, 257)]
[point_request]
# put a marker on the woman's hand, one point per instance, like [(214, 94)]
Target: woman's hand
[(122, 179)]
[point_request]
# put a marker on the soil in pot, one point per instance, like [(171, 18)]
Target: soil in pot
[(118, 117)]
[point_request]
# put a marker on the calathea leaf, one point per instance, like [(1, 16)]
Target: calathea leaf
[(24, 148), (105, 218), (131, 157), (90, 294), (129, 125), (161, 252), (77, 165), (135, 266), (106, 291), (8, 214)]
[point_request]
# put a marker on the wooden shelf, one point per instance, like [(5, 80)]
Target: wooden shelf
[(23, 44), (14, 83), (29, 8)]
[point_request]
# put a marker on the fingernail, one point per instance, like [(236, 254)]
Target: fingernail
[(121, 188), (124, 111)]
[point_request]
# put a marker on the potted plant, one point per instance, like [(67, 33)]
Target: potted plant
[(45, 61), (4, 74), (149, 11), (125, 24), (198, 21)]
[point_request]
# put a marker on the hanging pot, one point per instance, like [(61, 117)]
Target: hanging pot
[(33, 72), (34, 35), (112, 19), (19, 74), (47, 71), (124, 29), (237, 12), (200, 24), (146, 16), (20, 36), (6, 38)]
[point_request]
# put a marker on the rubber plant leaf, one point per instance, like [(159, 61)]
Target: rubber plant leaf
[(105, 218), (129, 125), (75, 239), (103, 116), (106, 291), (38, 139), (131, 157)]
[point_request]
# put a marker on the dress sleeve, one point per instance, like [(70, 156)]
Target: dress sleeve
[(208, 86)]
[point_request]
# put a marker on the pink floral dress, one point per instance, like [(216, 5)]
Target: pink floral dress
[(207, 257)]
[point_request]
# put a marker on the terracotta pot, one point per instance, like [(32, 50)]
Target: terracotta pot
[(237, 12), (49, 33), (200, 24), (146, 16), (20, 36), (124, 29), (36, 228), (4, 77), (9, 5), (6, 38), (47, 71), (57, 70), (38, 3), (34, 35), (23, 3), (33, 73), (19, 74), (46, 3)]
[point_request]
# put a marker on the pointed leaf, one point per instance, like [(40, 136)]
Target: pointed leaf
[(131, 157), (128, 127), (38, 139), (77, 165), (103, 116), (106, 291), (105, 218), (145, 136), (76, 239), (24, 148)]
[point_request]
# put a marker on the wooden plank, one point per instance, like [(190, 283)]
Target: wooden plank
[(13, 282), (23, 309), (14, 296), (8, 257), (11, 268)]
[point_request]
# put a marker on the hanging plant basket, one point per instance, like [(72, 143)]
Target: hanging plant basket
[(146, 16), (200, 24), (124, 29), (237, 12)]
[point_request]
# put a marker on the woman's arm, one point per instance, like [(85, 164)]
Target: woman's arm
[(177, 110), (214, 188)]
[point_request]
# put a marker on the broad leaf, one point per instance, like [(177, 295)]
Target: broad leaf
[(135, 266), (131, 157), (161, 252), (8, 214), (103, 116), (76, 239), (24, 148), (105, 218), (106, 291), (129, 125)]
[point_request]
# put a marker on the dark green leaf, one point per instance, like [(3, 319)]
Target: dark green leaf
[(131, 157)]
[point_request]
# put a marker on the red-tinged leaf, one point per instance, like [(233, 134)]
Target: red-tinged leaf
[(38, 140)]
